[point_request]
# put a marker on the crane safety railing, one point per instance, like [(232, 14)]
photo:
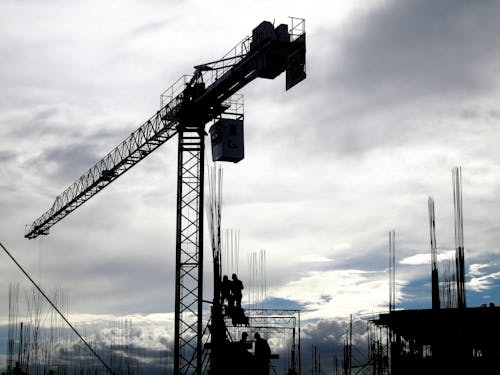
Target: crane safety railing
[(216, 69), (297, 28), (213, 71)]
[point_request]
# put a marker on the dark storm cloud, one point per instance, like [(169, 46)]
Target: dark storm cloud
[(110, 338), (379, 79), (60, 122), (332, 330), (409, 49), (40, 131), (70, 161), (329, 336)]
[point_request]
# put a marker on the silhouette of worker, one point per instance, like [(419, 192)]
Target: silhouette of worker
[(225, 291), (18, 370), (244, 344), (244, 337), (236, 288), (244, 356), (262, 355)]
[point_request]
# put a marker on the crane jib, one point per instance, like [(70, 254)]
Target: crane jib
[(196, 103)]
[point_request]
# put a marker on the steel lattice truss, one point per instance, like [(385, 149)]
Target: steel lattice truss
[(189, 271)]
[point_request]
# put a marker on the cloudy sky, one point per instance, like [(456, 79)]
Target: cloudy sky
[(397, 94)]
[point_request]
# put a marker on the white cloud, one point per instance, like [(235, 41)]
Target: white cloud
[(337, 293), (313, 258), (484, 282), (419, 259), (476, 269)]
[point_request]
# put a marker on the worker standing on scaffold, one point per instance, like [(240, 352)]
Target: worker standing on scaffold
[(262, 355), (225, 292), (236, 288), (18, 370), (245, 358)]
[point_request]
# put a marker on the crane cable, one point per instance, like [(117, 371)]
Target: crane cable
[(59, 312)]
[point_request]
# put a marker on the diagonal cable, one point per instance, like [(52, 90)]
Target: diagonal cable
[(57, 310)]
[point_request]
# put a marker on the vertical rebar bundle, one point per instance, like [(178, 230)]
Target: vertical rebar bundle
[(459, 236), (41, 342), (13, 326), (214, 211), (231, 249), (435, 275), (392, 270), (347, 361), (218, 330), (448, 285), (257, 291), (37, 334)]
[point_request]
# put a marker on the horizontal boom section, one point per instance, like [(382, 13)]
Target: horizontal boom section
[(152, 134), (269, 52)]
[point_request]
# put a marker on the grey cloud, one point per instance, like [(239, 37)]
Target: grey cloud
[(61, 121), (330, 330), (55, 144), (149, 27), (70, 161), (328, 335), (421, 47), (392, 74), (7, 156)]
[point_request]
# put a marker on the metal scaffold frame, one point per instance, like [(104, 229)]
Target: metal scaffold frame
[(272, 320)]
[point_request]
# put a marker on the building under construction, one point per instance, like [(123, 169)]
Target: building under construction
[(449, 338), (444, 341)]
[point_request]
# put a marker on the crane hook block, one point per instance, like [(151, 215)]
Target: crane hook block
[(226, 136)]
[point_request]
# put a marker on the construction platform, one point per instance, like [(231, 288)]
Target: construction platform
[(444, 341)]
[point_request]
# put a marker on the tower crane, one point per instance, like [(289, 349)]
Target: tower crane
[(207, 96)]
